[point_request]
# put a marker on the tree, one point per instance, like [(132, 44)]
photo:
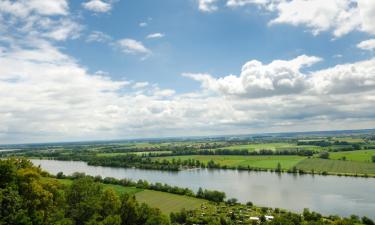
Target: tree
[(324, 155), (367, 221), (109, 203), (11, 211), (83, 198), (278, 168), (128, 210), (373, 158)]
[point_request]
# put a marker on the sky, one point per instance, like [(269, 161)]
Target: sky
[(121, 69)]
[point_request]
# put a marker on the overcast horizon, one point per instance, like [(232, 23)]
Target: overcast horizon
[(128, 69)]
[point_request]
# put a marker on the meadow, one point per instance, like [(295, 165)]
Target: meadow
[(361, 155), (167, 202), (336, 166), (266, 162)]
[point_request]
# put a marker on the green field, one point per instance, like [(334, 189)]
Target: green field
[(336, 166), (272, 146), (266, 162), (361, 156), (166, 202), (125, 153)]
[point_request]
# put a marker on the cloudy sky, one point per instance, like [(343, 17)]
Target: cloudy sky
[(118, 69)]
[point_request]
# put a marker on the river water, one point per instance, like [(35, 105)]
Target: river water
[(329, 195)]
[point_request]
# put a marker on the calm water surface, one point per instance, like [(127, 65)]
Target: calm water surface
[(325, 194)]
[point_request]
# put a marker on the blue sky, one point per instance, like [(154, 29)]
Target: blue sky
[(114, 69), (218, 43)]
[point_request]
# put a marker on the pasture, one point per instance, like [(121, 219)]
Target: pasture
[(266, 162), (167, 202), (125, 153), (361, 155), (336, 166), (272, 146)]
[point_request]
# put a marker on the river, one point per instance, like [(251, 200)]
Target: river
[(329, 195)]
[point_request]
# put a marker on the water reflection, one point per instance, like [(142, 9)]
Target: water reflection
[(325, 194)]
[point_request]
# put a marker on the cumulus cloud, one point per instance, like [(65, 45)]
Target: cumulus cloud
[(367, 45), (257, 80), (207, 5), (39, 19), (131, 46), (97, 6), (345, 79), (281, 78), (155, 35), (25, 8), (46, 95), (338, 16), (143, 24)]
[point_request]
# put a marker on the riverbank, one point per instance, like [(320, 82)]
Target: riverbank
[(327, 194)]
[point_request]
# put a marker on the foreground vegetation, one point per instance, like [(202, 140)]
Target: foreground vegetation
[(29, 196)]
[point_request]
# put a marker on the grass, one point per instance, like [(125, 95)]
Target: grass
[(125, 153), (272, 146), (361, 155), (266, 162), (336, 166), (167, 202)]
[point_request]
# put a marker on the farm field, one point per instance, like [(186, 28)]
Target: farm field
[(266, 162), (167, 202), (272, 146), (126, 153), (336, 166), (361, 156)]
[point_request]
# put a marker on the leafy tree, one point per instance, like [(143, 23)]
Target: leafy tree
[(83, 198), (324, 155), (367, 221), (109, 203)]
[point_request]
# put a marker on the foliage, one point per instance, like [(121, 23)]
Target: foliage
[(26, 200)]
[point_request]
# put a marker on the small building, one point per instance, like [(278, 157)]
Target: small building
[(269, 218)]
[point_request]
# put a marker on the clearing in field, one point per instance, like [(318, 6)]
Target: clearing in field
[(336, 166), (167, 202), (266, 162)]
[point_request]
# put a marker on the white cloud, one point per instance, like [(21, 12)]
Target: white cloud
[(63, 29), (338, 16), (238, 3), (143, 24), (140, 85), (131, 46), (344, 79), (25, 8), (98, 36), (97, 6), (367, 45), (207, 5), (319, 15), (282, 78), (39, 19), (257, 80), (46, 95), (155, 35)]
